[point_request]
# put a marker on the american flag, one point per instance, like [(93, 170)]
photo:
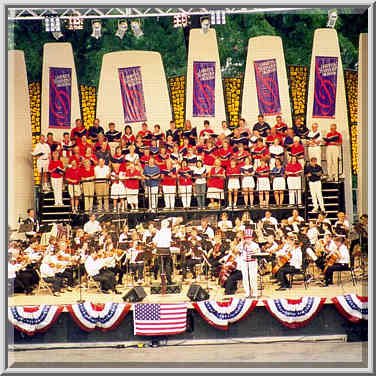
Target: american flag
[(159, 319)]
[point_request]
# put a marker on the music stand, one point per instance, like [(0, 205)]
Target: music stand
[(163, 252)]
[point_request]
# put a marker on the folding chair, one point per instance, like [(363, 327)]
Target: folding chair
[(43, 284)]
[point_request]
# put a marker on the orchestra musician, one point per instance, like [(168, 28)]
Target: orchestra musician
[(48, 271)]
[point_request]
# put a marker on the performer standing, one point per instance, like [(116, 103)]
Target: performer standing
[(248, 248)]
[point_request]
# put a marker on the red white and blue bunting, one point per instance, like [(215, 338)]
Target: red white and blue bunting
[(221, 314), (352, 306), (34, 319), (294, 313), (89, 316)]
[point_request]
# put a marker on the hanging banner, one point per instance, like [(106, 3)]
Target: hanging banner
[(132, 94), (60, 98), (267, 87), (324, 102), (204, 89)]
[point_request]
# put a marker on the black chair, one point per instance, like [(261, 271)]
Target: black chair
[(303, 272), (350, 269)]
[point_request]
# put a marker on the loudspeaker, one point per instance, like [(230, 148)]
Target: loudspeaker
[(137, 294), (196, 293)]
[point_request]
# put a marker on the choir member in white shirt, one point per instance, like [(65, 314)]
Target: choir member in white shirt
[(43, 152)]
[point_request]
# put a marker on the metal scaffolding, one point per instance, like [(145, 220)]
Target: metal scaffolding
[(19, 14)]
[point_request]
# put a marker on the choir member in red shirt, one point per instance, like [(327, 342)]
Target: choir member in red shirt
[(209, 154), (233, 184), (128, 136), (272, 136), (280, 126), (294, 181), (90, 156), (118, 190), (99, 145), (144, 160), (54, 145), (83, 144), (297, 151), (87, 179), (78, 131), (259, 151), (216, 184), (162, 157), (56, 170), (158, 135), (207, 131), (241, 154), (183, 149), (168, 174), (263, 183), (248, 182), (185, 184), (333, 151), (76, 155), (225, 154), (118, 158), (73, 178), (146, 134), (132, 185), (66, 149)]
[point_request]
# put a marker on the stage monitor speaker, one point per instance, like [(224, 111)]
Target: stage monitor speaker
[(137, 294), (196, 293)]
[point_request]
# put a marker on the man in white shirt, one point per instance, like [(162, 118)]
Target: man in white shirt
[(225, 224), (92, 226), (342, 262), (314, 140), (162, 241), (268, 217), (102, 174), (43, 152), (206, 229), (48, 274)]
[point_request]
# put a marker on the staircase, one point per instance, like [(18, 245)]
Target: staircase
[(333, 194), (50, 213)]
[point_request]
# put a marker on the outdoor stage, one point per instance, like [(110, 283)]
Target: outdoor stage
[(258, 325)]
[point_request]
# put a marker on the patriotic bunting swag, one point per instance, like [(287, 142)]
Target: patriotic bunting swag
[(294, 313), (352, 306), (34, 319), (89, 316), (220, 314)]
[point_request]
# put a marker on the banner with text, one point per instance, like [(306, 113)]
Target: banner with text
[(267, 87), (60, 98), (132, 94), (324, 103), (204, 89)]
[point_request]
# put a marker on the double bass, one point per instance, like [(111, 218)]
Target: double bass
[(227, 269), (331, 260)]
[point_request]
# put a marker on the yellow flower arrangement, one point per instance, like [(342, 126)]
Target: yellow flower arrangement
[(88, 104), (177, 94), (232, 87), (298, 77), (35, 113)]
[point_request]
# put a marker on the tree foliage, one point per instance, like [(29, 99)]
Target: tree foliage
[(296, 31)]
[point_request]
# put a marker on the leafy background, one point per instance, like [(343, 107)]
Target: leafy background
[(296, 31)]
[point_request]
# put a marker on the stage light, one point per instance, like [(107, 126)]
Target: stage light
[(136, 28), (97, 29), (205, 24), (52, 23), (122, 28), (181, 20), (332, 18), (75, 23), (218, 17)]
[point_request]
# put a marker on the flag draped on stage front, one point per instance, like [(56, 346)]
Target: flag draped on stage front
[(220, 314), (295, 313), (106, 317), (60, 98), (324, 101), (267, 87), (159, 319), (352, 306), (132, 94), (34, 319), (203, 88)]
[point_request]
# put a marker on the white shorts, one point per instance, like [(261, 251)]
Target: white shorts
[(294, 182), (42, 164), (118, 191), (248, 182), (74, 189), (263, 184), (132, 196), (215, 193), (233, 183), (279, 184)]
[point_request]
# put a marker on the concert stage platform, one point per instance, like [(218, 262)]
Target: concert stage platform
[(258, 324)]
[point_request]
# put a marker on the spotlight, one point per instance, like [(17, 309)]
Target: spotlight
[(75, 23), (332, 18), (97, 29), (57, 34), (205, 24), (122, 28), (136, 28), (181, 20), (52, 23), (218, 17)]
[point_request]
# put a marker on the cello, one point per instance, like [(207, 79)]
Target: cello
[(227, 269), (282, 260)]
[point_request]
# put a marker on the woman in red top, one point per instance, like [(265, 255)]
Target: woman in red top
[(263, 182), (216, 184), (90, 156), (294, 181), (185, 184), (73, 177), (225, 154), (132, 183), (168, 174), (297, 151), (83, 144), (87, 179), (76, 156), (233, 184), (259, 151), (162, 157), (128, 136), (209, 154), (56, 170)]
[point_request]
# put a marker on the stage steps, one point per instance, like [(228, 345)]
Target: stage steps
[(50, 213), (333, 194)]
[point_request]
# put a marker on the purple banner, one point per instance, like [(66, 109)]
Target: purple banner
[(204, 89), (324, 103), (60, 98), (267, 87), (132, 94)]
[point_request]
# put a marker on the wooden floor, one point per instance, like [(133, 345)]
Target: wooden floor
[(216, 293)]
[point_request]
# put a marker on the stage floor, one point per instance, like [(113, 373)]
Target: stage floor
[(216, 293)]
